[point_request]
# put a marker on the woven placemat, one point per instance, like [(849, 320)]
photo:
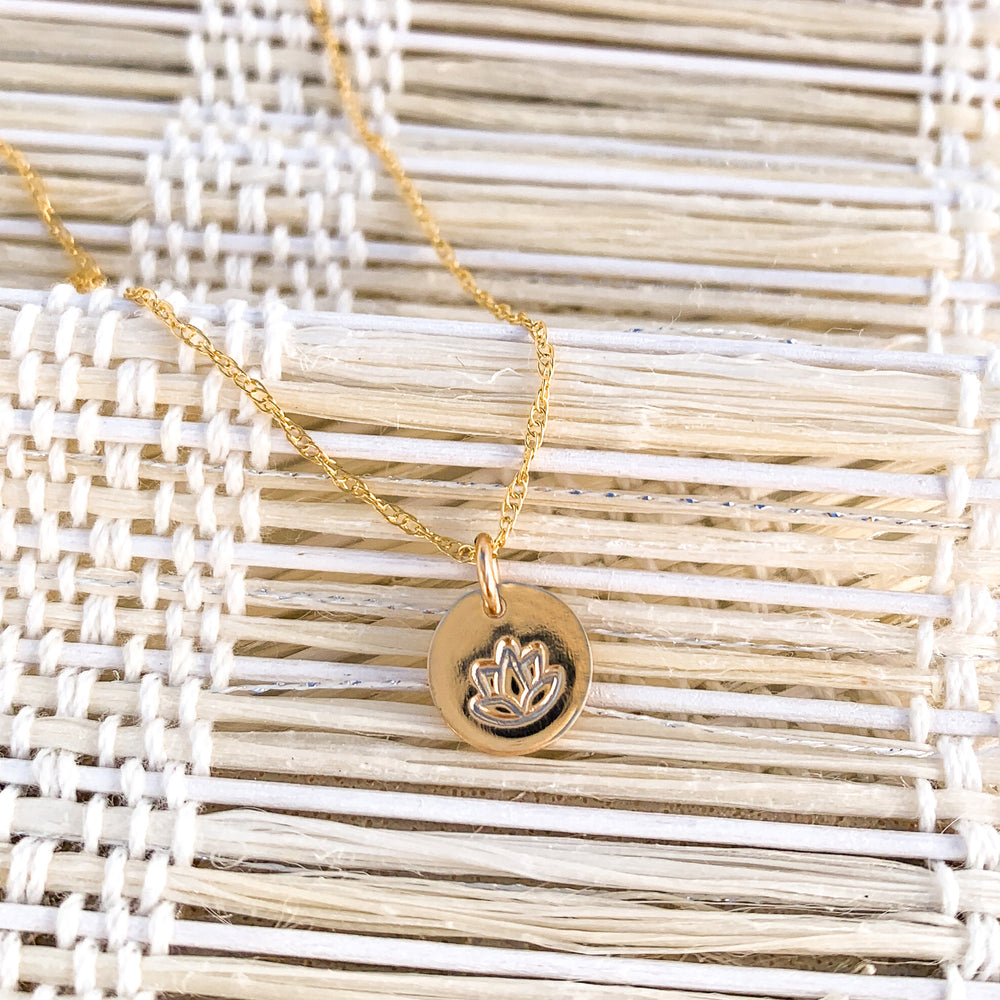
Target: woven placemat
[(763, 236)]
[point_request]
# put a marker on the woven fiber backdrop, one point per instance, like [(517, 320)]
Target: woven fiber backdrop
[(763, 234)]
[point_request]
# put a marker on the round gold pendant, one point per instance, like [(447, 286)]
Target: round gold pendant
[(509, 665)]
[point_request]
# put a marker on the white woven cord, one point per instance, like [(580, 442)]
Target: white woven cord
[(763, 236)]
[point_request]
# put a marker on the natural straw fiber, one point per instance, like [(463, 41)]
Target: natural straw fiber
[(763, 234)]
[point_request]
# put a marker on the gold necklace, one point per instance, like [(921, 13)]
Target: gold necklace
[(509, 665)]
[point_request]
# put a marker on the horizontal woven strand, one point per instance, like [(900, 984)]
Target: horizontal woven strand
[(521, 815), (471, 958)]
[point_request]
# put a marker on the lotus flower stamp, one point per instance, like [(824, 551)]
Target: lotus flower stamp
[(516, 686)]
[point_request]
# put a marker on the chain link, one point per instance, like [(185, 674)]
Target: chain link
[(87, 276)]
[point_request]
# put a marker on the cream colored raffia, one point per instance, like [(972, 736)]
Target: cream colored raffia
[(763, 235)]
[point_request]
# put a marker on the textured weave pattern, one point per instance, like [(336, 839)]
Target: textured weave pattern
[(770, 490)]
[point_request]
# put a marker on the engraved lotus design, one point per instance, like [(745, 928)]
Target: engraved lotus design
[(517, 686)]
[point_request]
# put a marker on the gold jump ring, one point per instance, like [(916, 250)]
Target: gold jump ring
[(489, 575)]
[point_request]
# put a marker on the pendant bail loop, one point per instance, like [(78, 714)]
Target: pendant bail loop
[(488, 570)]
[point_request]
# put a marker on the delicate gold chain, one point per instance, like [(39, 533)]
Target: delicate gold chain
[(297, 435), (87, 276), (538, 414)]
